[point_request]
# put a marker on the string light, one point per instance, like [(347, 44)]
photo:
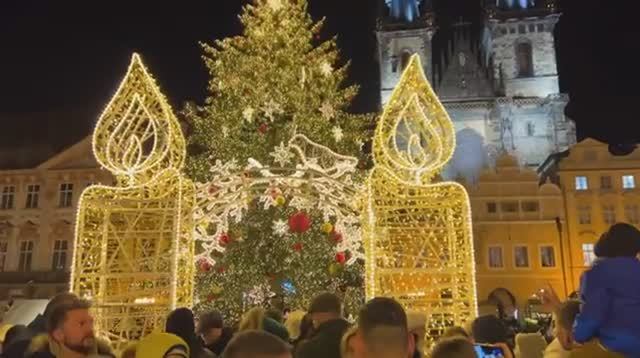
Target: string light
[(134, 250), (417, 232)]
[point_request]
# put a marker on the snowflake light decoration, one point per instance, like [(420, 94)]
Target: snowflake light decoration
[(327, 110), (326, 69), (314, 177), (282, 155), (338, 134), (247, 114)]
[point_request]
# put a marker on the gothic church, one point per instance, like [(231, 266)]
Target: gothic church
[(498, 81)]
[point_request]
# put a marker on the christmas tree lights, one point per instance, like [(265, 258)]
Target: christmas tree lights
[(417, 231), (134, 244)]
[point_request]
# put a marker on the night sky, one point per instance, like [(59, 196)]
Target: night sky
[(60, 61)]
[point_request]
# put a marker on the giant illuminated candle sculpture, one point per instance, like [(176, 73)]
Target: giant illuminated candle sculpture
[(418, 241), (133, 248)]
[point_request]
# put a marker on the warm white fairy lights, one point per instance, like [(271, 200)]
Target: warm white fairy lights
[(417, 232), (133, 246)]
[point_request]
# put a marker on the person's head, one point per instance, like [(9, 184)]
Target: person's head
[(252, 320), (325, 307), (70, 324), (294, 323), (256, 344), (60, 298), (160, 344), (453, 347), (181, 323), (455, 331), (621, 240), (564, 316), (382, 330), (210, 327), (489, 330), (275, 314)]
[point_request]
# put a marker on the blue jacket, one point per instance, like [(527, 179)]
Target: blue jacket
[(610, 291)]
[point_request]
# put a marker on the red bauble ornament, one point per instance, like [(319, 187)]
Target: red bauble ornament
[(204, 265), (224, 239), (336, 237), (297, 247), (263, 128), (299, 223), (341, 258)]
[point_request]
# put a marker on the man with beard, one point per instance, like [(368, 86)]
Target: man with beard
[(69, 334)]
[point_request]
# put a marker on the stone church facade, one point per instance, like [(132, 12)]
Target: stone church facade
[(498, 79)]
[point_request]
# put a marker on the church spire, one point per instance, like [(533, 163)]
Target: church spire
[(404, 10)]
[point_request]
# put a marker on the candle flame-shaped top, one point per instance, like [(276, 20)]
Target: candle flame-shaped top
[(137, 135), (415, 137)]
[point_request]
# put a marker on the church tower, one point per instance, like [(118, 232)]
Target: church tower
[(519, 43), (404, 27)]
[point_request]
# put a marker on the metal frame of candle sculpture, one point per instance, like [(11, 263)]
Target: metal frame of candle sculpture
[(417, 231), (134, 251)]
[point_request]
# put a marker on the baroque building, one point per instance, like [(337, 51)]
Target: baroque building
[(37, 220), (498, 80), (599, 189)]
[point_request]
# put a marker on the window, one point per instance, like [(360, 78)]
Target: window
[(33, 192), (8, 193), (521, 256), (584, 215), (582, 183), (605, 182), (509, 207), (547, 256), (59, 255), (66, 195), (609, 214), (521, 29), (504, 30), (540, 27), (628, 182), (524, 59), (632, 212), (26, 256), (531, 129), (3, 254), (404, 59), (588, 256), (532, 28), (492, 208), (530, 206), (512, 30), (495, 257)]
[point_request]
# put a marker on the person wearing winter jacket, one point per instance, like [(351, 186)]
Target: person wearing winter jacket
[(610, 292)]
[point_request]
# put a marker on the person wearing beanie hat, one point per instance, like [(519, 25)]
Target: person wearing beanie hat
[(213, 333), (181, 323), (610, 292), (326, 314), (162, 345)]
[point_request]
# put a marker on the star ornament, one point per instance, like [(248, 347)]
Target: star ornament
[(280, 227), (326, 69), (247, 114), (271, 108), (275, 4), (338, 134), (282, 155), (327, 110)]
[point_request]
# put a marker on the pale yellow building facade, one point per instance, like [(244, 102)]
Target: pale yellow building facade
[(519, 232), (599, 190), (37, 217)]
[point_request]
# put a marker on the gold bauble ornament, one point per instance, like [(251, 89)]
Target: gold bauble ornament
[(281, 200), (327, 228)]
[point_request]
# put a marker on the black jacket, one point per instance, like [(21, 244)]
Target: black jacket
[(325, 342)]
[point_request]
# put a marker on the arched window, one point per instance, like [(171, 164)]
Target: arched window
[(404, 59), (524, 58)]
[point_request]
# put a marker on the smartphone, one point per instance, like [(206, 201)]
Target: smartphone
[(483, 351)]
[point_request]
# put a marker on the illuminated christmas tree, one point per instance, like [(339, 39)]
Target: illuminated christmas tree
[(273, 82)]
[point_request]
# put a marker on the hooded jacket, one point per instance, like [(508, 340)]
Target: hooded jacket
[(610, 291)]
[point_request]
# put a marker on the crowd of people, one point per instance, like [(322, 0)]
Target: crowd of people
[(604, 322)]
